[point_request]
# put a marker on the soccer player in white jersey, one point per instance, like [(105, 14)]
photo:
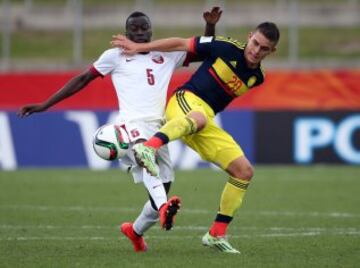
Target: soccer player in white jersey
[(141, 82)]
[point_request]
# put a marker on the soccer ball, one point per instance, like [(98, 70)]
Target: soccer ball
[(111, 142)]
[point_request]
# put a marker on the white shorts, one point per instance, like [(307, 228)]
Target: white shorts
[(144, 130)]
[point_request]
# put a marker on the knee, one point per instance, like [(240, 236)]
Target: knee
[(200, 119), (247, 172), (244, 172)]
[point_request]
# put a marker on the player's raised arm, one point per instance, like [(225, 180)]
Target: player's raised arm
[(167, 44), (211, 18)]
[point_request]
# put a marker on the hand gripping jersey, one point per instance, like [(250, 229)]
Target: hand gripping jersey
[(224, 74), (141, 81)]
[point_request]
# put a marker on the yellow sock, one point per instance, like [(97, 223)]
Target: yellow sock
[(232, 196), (179, 127)]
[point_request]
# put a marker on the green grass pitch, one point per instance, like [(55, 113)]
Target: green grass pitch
[(291, 217)]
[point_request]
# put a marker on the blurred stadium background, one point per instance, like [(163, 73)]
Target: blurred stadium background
[(296, 128), (53, 34), (310, 100)]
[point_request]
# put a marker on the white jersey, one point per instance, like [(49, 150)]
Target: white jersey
[(141, 81)]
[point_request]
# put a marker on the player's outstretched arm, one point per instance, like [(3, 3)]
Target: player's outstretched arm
[(167, 44), (211, 18), (70, 88)]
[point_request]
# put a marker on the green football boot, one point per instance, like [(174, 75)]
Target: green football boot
[(219, 243), (146, 157)]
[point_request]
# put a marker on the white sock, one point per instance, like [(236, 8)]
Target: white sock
[(147, 218), (156, 189)]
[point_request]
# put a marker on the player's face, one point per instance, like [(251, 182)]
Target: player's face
[(257, 48), (138, 29)]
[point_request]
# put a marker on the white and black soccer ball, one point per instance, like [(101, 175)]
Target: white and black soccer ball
[(111, 142)]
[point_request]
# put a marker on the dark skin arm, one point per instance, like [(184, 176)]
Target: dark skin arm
[(211, 18), (73, 86)]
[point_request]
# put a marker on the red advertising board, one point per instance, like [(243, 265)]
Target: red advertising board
[(282, 90)]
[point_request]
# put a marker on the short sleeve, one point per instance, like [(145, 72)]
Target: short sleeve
[(107, 62), (178, 57), (202, 45)]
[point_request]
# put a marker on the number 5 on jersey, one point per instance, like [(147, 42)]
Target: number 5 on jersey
[(150, 77)]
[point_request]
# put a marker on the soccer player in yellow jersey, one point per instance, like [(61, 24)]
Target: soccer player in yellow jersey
[(229, 69)]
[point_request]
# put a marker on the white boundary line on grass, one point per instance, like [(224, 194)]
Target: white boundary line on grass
[(267, 232), (189, 228), (186, 211), (168, 237)]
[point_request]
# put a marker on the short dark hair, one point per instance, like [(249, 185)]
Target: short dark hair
[(135, 15), (269, 30)]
